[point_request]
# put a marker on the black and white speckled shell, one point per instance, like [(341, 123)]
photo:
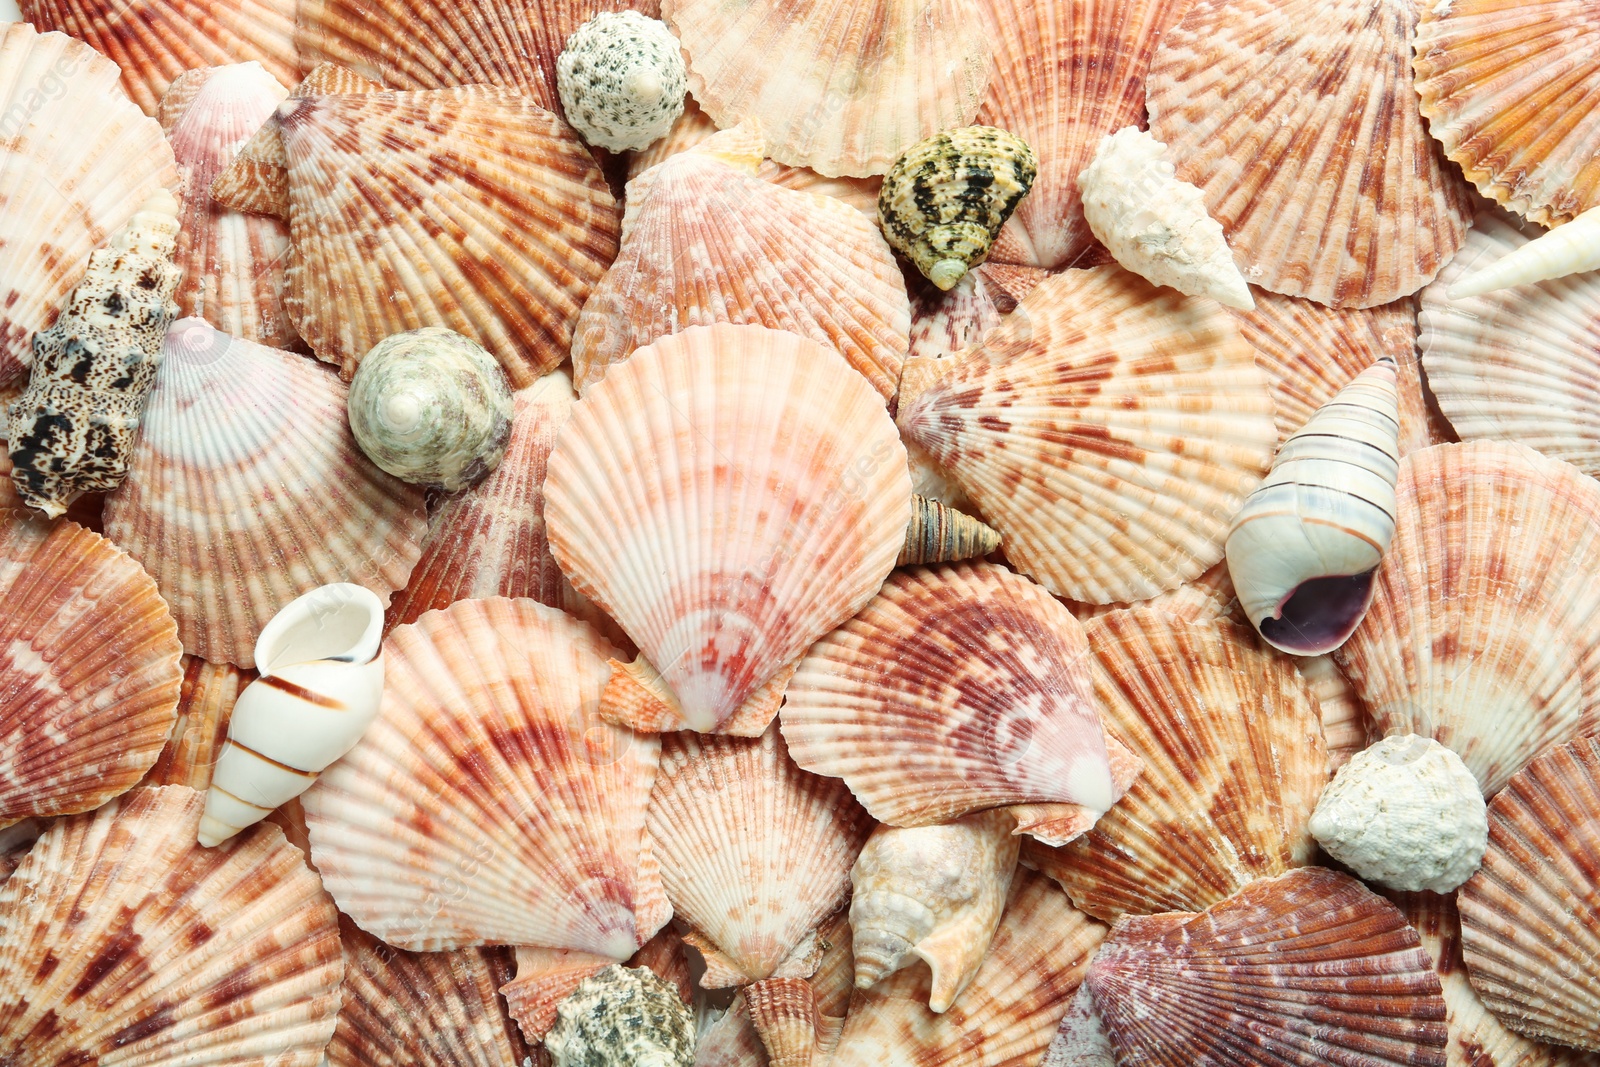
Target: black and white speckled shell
[(622, 80), (622, 1017)]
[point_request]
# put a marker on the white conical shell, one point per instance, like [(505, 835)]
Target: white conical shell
[(1572, 248)]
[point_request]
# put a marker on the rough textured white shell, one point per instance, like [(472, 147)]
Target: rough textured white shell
[(1156, 225), (622, 80), (320, 687), (1573, 248), (623, 1015), (1325, 511)]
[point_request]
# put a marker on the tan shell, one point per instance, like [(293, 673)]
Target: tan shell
[(784, 1013), (546, 976), (1344, 720), (636, 696), (1290, 173), (940, 534), (205, 704)]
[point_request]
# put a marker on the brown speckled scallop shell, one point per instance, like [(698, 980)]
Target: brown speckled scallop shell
[(205, 703)]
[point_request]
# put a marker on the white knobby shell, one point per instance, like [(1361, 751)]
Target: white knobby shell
[(622, 80), (622, 1015), (321, 684), (1156, 225), (1572, 248), (1303, 548)]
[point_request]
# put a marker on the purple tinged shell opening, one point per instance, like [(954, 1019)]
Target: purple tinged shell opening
[(1320, 615)]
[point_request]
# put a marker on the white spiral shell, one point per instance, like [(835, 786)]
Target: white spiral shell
[(1572, 248), (622, 80), (320, 688), (1303, 549)]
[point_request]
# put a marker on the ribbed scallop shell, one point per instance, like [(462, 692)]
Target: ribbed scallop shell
[(711, 243), (123, 942), (728, 495), (205, 703), (754, 852), (840, 86), (1509, 89), (1234, 762), (489, 804), (89, 671), (1108, 429), (1518, 364), (1344, 720), (1530, 917), (1329, 186), (729, 1039), (1483, 632), (958, 689), (468, 208), (247, 490), (784, 1013), (154, 41), (1310, 967), (61, 196), (232, 262)]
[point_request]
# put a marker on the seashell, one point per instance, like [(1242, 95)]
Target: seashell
[(1508, 89), (840, 86), (232, 263), (809, 520), (89, 661), (931, 893), (205, 703), (1008, 1012), (1156, 225), (784, 1014), (61, 197), (940, 534), (1530, 917), (111, 930), (547, 976), (638, 697), (1289, 175), (754, 852), (321, 677), (622, 1015), (1304, 548), (1234, 762), (548, 826), (74, 428), (622, 80), (1344, 721), (1517, 365), (955, 690), (947, 323), (1012, 282), (1108, 429), (1209, 596), (257, 179), (492, 220), (1569, 250), (1080, 1040), (707, 241), (729, 1038), (1487, 646), (247, 490), (1308, 967), (946, 197)]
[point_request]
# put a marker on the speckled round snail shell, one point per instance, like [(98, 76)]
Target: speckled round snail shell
[(622, 1015), (622, 80), (943, 202), (431, 407)]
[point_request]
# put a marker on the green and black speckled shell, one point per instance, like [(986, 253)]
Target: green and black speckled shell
[(622, 1017)]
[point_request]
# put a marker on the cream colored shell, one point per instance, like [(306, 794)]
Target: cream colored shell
[(622, 80), (1572, 248)]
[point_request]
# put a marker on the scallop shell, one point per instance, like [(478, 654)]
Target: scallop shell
[(1530, 917), (940, 534), (1209, 596), (468, 208), (1344, 720), (709, 242), (623, 1015), (787, 447), (947, 323), (1013, 282), (488, 767), (784, 1013), (546, 976), (754, 852), (154, 41), (840, 86), (89, 657), (232, 263), (959, 689), (1108, 429), (112, 954), (636, 696), (622, 80), (1516, 365), (205, 703), (1234, 762), (1509, 89), (1309, 967), (61, 197), (1482, 634), (247, 490), (1289, 174), (729, 1038)]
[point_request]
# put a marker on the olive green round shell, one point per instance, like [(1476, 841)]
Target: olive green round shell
[(622, 1017)]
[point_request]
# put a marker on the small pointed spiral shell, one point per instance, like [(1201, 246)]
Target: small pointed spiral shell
[(1572, 248)]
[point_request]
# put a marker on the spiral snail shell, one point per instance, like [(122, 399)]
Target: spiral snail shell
[(431, 407), (622, 80), (1303, 549)]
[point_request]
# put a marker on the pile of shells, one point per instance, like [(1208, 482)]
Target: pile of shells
[(800, 533)]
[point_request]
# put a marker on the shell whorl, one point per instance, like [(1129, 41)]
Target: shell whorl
[(1572, 248), (622, 80), (623, 1015)]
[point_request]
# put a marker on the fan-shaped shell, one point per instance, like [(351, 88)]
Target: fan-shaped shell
[(1108, 429), (89, 657), (205, 703), (124, 942), (1308, 967), (789, 450), (955, 690), (1509, 89), (247, 490), (62, 196), (473, 209), (1344, 720), (489, 803), (1530, 917), (1291, 174), (784, 1013), (1482, 633)]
